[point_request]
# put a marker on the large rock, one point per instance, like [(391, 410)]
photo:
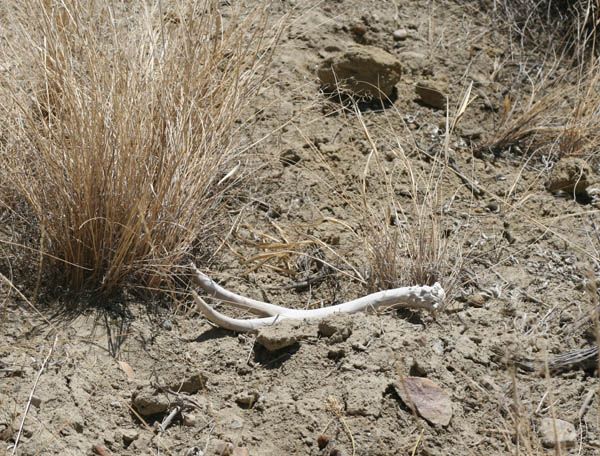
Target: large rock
[(364, 71)]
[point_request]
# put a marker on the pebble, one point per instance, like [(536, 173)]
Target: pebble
[(36, 401), (565, 436), (400, 34), (247, 399), (359, 29), (129, 435), (100, 450), (189, 419), (223, 448)]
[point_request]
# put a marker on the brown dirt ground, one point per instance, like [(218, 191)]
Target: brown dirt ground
[(517, 295)]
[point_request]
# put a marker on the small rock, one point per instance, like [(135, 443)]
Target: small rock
[(247, 399), (235, 422), (191, 384), (147, 403), (36, 401), (129, 435), (323, 440), (571, 175), (167, 325), (565, 436), (400, 34), (189, 419), (289, 157), (362, 70), (477, 300), (431, 95), (333, 47), (336, 354), (428, 399), (100, 450), (359, 29), (279, 336), (193, 451), (223, 448), (337, 327)]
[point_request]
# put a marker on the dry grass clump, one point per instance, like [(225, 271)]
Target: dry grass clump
[(122, 129), (552, 25), (408, 244), (554, 112), (558, 117)]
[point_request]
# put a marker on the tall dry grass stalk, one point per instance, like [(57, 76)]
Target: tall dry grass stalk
[(408, 244), (123, 127)]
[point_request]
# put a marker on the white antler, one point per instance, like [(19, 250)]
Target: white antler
[(425, 297)]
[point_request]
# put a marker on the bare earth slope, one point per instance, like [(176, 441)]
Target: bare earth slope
[(521, 295)]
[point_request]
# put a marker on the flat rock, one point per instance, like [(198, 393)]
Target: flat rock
[(431, 94), (571, 175), (429, 400), (278, 336), (565, 436), (364, 71), (190, 384)]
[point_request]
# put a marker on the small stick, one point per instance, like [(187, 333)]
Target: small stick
[(167, 421), (28, 406)]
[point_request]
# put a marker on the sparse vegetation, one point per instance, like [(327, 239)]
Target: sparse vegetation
[(136, 137)]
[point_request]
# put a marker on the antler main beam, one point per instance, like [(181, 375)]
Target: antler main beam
[(418, 297)]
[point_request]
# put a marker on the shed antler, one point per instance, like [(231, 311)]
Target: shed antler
[(424, 297)]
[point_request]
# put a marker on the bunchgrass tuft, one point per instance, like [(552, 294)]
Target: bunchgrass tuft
[(122, 129)]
